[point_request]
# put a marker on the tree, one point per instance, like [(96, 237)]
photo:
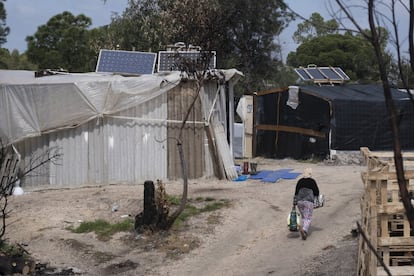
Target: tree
[(156, 210), (252, 38), (15, 60), (138, 28), (313, 27), (375, 18), (350, 52), (242, 39), (4, 30), (63, 42), (13, 261)]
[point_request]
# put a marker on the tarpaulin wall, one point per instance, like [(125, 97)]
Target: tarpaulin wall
[(349, 117), (366, 123), (312, 114)]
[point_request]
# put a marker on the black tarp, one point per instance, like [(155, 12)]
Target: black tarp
[(351, 116)]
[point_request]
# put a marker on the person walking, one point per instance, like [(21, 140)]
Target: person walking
[(305, 193)]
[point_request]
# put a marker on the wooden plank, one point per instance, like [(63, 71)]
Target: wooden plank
[(383, 154), (384, 225), (390, 154), (406, 227), (391, 208), (396, 241), (396, 271), (389, 175), (271, 91), (372, 221), (299, 130), (217, 164), (223, 150)]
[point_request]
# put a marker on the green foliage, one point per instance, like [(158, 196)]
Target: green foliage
[(15, 61), (12, 250), (103, 229), (251, 39), (4, 29), (352, 53), (63, 42), (315, 26), (242, 39), (140, 28)]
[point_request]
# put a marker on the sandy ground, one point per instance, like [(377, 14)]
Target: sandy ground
[(250, 237)]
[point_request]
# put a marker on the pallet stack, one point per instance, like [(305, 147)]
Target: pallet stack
[(383, 218)]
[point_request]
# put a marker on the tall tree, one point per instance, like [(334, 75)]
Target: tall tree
[(138, 28), (376, 17), (313, 27), (350, 52), (252, 38), (63, 42), (4, 29), (242, 39)]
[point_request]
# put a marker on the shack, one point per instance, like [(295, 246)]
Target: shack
[(317, 120), (117, 129)]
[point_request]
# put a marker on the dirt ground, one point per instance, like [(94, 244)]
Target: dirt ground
[(249, 237)]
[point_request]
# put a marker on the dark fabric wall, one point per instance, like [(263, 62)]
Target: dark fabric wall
[(359, 119), (367, 124), (311, 113)]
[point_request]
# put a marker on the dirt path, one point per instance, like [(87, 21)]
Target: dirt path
[(254, 240), (251, 237)]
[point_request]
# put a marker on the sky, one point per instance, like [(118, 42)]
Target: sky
[(24, 16)]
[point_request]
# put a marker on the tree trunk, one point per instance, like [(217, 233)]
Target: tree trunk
[(152, 217)]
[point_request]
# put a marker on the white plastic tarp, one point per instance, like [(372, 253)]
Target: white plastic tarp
[(31, 106)]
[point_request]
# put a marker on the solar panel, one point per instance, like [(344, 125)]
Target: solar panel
[(330, 74), (341, 73), (322, 74), (174, 60), (301, 72), (127, 62), (315, 74)]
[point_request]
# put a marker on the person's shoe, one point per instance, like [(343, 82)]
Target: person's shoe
[(303, 234)]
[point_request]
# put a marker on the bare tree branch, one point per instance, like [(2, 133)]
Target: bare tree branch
[(373, 249)]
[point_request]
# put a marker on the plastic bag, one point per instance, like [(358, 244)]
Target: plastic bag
[(293, 220), (319, 201)]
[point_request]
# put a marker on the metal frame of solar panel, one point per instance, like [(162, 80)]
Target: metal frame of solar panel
[(322, 74), (169, 60), (126, 62)]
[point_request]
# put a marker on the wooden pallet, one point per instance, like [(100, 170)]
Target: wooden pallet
[(383, 218)]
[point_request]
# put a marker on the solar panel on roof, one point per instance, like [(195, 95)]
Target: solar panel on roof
[(301, 72), (127, 62), (173, 60), (330, 74), (341, 73), (315, 74), (322, 74)]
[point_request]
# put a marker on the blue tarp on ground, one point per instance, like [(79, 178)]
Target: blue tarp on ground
[(273, 176), (260, 175)]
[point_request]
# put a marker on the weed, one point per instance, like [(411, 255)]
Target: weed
[(173, 200), (103, 229), (12, 250), (191, 210)]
